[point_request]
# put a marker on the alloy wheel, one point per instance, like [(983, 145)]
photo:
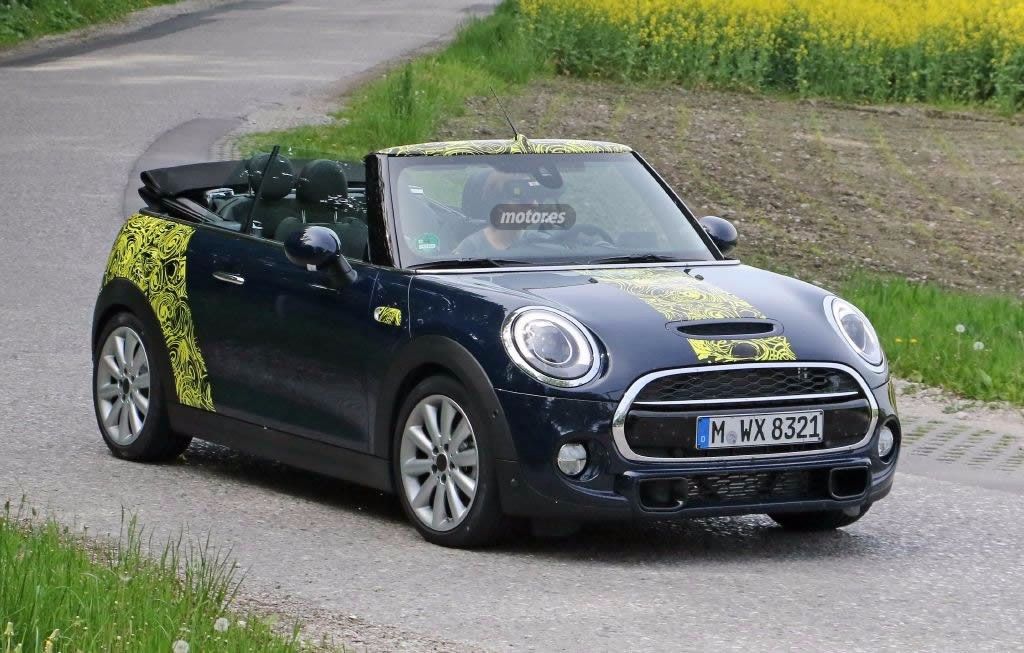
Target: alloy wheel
[(123, 385), (439, 462)]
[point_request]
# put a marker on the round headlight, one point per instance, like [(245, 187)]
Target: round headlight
[(551, 346), (855, 328)]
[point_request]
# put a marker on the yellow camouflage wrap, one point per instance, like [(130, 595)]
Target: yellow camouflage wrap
[(389, 315), (150, 253), (678, 296), (517, 145), (775, 348)]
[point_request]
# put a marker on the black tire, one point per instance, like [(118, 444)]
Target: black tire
[(155, 441), (485, 523), (824, 520)]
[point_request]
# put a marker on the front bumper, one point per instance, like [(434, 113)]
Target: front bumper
[(615, 488)]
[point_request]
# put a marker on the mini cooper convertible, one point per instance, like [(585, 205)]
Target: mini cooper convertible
[(491, 330)]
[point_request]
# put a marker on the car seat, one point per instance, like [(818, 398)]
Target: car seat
[(322, 195), (274, 204), (322, 191), (474, 207)]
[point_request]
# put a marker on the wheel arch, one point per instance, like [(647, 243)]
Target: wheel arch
[(428, 356), (122, 296)]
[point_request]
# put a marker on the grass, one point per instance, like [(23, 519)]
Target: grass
[(57, 593), (916, 321), (969, 343), (28, 19), (407, 105)]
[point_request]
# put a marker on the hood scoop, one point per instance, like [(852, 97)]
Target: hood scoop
[(728, 328)]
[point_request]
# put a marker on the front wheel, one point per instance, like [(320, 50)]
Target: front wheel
[(128, 395), (822, 520), (444, 466)]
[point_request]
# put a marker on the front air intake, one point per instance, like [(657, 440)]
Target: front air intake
[(848, 482)]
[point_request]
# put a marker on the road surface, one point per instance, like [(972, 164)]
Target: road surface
[(937, 566)]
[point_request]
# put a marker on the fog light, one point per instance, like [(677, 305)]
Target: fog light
[(886, 441), (572, 459)]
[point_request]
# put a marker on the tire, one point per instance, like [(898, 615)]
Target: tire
[(824, 520), (131, 384), (423, 466)]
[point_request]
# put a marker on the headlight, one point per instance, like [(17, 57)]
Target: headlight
[(855, 328), (551, 346)]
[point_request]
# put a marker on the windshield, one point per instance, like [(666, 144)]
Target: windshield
[(536, 209)]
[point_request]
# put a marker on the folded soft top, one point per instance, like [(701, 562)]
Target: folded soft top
[(179, 180)]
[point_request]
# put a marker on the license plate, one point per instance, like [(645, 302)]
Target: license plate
[(768, 429)]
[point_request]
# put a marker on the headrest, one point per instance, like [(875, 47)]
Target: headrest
[(280, 176), (473, 204), (322, 182)]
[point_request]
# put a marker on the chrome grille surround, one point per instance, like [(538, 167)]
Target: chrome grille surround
[(627, 402)]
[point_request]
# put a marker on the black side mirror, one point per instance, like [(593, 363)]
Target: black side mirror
[(319, 248), (722, 233)]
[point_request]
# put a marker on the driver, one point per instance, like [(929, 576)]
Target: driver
[(491, 241)]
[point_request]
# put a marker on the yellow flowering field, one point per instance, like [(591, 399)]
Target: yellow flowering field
[(958, 51)]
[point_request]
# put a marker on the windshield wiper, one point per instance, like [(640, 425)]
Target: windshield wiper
[(468, 263), (635, 258)]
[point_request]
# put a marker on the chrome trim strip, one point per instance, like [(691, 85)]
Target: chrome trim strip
[(704, 402), (555, 268), (619, 419)]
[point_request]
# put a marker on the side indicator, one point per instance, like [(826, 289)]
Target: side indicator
[(389, 315)]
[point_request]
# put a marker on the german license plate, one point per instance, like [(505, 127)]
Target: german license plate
[(768, 429)]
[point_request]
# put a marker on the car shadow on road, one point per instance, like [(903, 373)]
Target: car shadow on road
[(234, 465), (701, 540), (726, 539)]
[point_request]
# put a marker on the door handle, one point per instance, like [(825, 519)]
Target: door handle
[(227, 277)]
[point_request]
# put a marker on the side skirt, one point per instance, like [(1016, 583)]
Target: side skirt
[(294, 450)]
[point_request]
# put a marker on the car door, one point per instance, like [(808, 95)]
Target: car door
[(287, 349)]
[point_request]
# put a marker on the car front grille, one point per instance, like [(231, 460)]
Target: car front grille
[(757, 382), (658, 416)]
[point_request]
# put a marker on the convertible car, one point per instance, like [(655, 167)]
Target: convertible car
[(492, 330)]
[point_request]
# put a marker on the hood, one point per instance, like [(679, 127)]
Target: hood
[(651, 318)]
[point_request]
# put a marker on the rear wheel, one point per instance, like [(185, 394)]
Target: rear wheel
[(823, 520), (444, 467), (128, 395)]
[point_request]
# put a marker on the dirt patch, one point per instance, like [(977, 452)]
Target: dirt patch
[(817, 190)]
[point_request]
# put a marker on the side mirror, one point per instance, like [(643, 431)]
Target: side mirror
[(319, 248), (722, 233)]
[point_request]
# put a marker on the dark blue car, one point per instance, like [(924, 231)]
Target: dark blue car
[(491, 330)]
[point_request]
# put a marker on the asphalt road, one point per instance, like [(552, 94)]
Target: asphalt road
[(937, 566)]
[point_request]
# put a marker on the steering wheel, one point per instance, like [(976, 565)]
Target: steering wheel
[(573, 234)]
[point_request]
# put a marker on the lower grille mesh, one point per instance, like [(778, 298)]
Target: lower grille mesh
[(748, 487), (725, 489)]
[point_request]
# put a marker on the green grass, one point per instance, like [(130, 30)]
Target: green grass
[(407, 105), (29, 19), (918, 327), (916, 322), (57, 589)]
